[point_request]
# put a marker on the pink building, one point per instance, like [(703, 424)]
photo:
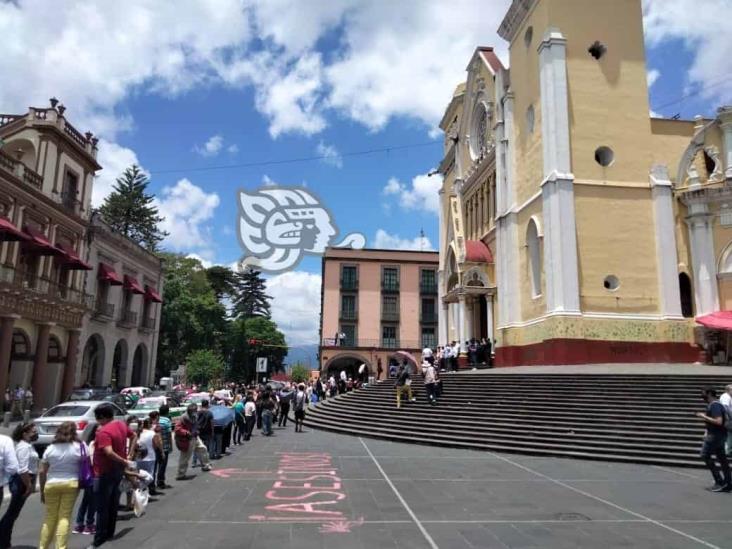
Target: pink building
[(375, 303)]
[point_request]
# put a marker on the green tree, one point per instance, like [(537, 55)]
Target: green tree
[(192, 318), (204, 367), (222, 281), (251, 298), (130, 211), (251, 338), (300, 373)]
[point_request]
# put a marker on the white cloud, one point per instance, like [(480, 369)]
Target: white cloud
[(232, 149), (421, 195), (205, 262), (267, 181), (212, 147), (187, 209), (652, 76), (114, 160), (329, 154), (704, 30), (386, 241), (296, 305)]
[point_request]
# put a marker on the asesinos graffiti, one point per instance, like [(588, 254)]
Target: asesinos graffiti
[(308, 489)]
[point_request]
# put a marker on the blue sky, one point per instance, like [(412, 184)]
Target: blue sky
[(193, 88)]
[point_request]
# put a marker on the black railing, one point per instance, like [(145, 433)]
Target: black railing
[(349, 284), (428, 318), (390, 315), (372, 343), (428, 287), (349, 314), (105, 310), (70, 202), (44, 287), (148, 323), (390, 286), (128, 318)]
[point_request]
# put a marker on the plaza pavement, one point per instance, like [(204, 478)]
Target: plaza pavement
[(382, 495)]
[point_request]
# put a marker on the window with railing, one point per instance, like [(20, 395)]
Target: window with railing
[(349, 277), (390, 307), (69, 196), (389, 338), (390, 279), (348, 307), (428, 338), (428, 281), (428, 310), (349, 335)]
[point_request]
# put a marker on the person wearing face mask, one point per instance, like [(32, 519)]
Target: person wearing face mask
[(187, 441), (23, 483)]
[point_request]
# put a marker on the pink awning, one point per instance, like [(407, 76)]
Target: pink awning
[(9, 232), (133, 285), (71, 260), (719, 320), (106, 273), (39, 243), (151, 294), (477, 252)]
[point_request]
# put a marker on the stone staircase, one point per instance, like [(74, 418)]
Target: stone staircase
[(628, 418)]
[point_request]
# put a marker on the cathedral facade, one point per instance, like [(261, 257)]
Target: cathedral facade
[(575, 227)]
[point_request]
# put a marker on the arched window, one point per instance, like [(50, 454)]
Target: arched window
[(687, 304), (533, 248), (21, 345), (54, 349)]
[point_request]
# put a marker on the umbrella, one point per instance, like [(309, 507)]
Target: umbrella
[(408, 356)]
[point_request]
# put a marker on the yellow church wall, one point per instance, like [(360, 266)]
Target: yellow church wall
[(683, 247), (608, 98), (722, 236), (669, 140), (524, 63), (725, 294), (531, 307), (615, 236)]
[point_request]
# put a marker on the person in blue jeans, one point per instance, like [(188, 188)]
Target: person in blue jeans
[(714, 438), (86, 514), (268, 406)]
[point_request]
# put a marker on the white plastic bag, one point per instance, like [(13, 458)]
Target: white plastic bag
[(145, 477), (139, 501)]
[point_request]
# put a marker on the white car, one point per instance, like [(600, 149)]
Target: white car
[(139, 391)]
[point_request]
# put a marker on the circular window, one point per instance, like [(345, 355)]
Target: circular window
[(611, 282), (528, 35), (604, 156), (530, 119)]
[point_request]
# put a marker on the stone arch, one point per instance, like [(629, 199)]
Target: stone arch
[(686, 295), (119, 364), (476, 277), (55, 350), (139, 366), (92, 361), (453, 275), (20, 367), (348, 362), (22, 149), (724, 263), (533, 249), (687, 159)]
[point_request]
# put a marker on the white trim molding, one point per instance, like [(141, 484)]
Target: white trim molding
[(704, 266)]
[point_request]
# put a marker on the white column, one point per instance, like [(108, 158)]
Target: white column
[(469, 318), (666, 257), (461, 324), (725, 123), (560, 239), (701, 240), (443, 332)]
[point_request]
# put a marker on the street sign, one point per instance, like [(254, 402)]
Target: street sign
[(262, 365)]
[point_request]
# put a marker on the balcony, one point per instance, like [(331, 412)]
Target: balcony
[(147, 325), (390, 286), (390, 316), (428, 287), (104, 311), (70, 202), (428, 318), (349, 284), (128, 319), (41, 299), (18, 169), (349, 314), (389, 343)]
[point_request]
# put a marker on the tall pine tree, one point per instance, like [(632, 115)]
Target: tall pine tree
[(129, 210), (251, 298)]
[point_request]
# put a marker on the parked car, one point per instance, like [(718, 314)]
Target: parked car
[(196, 398), (144, 406), (139, 391), (80, 412), (101, 393)]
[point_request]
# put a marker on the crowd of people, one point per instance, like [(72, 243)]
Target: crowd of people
[(119, 457), (17, 400)]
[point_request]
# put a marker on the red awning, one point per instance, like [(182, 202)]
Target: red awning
[(39, 243), (151, 294), (133, 285), (71, 260), (477, 252), (9, 232), (719, 320), (106, 273)]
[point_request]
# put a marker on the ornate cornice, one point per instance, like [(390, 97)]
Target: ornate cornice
[(514, 18)]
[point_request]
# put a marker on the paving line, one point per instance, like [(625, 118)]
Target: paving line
[(607, 502), (421, 527), (688, 475)]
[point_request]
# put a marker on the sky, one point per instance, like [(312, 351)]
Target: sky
[(212, 96)]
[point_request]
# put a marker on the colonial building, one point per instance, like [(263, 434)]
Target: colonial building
[(375, 303), (120, 336), (575, 227), (48, 270)]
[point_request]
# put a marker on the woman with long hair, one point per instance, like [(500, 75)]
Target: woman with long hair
[(23, 483), (59, 475)]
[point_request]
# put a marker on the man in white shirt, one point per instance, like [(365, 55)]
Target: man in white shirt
[(726, 400), (8, 462)]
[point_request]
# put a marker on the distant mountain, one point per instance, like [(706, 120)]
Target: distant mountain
[(304, 354)]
